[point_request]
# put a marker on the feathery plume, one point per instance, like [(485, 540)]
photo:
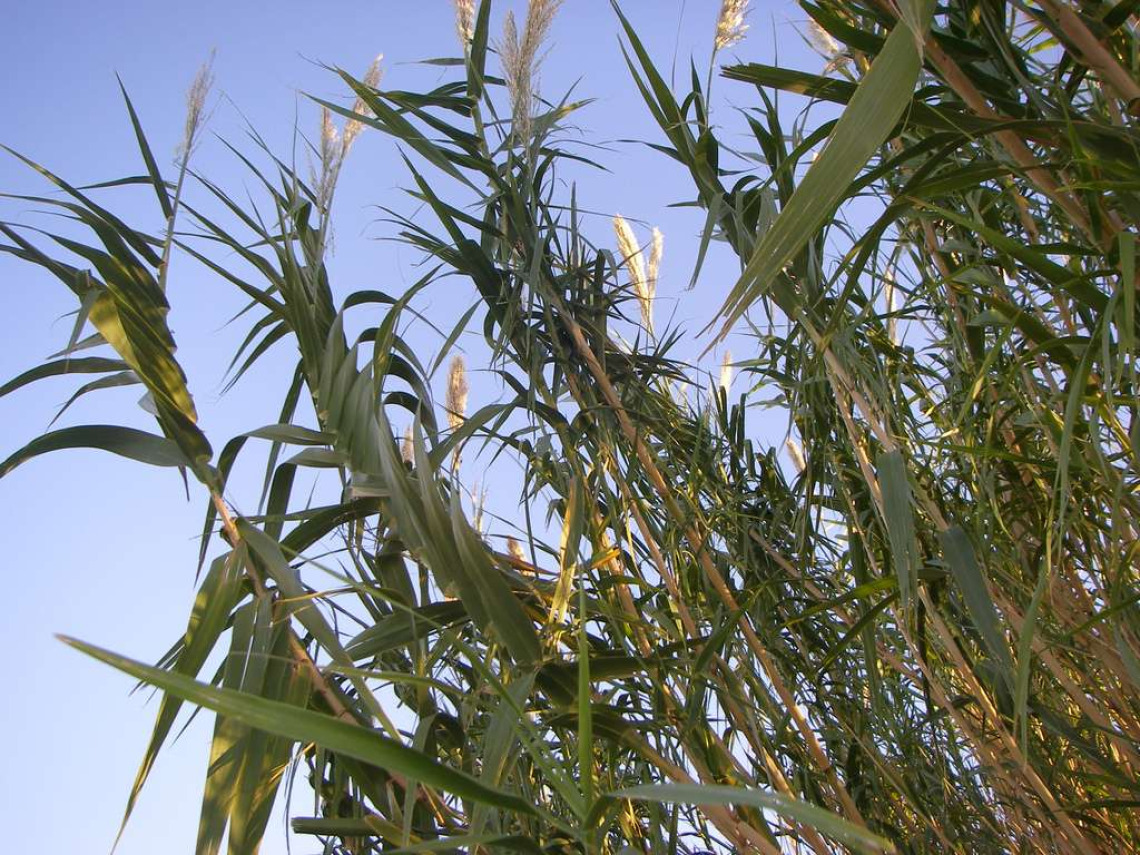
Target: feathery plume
[(521, 60), (821, 39), (656, 251), (726, 372), (892, 322), (353, 127), (797, 455), (329, 136), (408, 447), (516, 73), (515, 550), (478, 504), (826, 46), (730, 26), (330, 152), (196, 97), (456, 401), (334, 145), (456, 392), (634, 261), (465, 21)]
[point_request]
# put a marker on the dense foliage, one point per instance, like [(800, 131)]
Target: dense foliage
[(922, 636)]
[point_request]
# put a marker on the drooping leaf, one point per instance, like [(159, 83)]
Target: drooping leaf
[(126, 442), (302, 725)]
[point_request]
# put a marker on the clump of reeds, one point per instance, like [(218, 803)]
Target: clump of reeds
[(860, 629)]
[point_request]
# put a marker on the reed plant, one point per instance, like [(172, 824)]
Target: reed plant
[(908, 624)]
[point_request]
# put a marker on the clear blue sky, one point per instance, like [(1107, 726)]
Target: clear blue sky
[(105, 549)]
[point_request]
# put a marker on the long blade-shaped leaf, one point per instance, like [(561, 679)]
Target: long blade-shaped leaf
[(860, 839), (300, 725), (126, 442), (874, 109)]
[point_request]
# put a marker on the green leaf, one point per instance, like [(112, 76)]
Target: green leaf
[(216, 599), (243, 670), (305, 726), (1127, 656), (148, 157), (898, 509), (265, 755), (126, 442), (402, 627), (304, 607), (874, 109), (968, 575), (585, 706), (90, 365), (835, 827), (131, 317), (457, 842)]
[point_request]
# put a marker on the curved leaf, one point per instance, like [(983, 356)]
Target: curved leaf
[(124, 441), (306, 726)]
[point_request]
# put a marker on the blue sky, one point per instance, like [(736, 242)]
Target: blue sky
[(105, 549)]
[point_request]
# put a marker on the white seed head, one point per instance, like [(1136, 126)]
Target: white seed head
[(891, 292), (478, 505), (374, 74), (329, 134), (408, 446), (517, 74), (827, 47), (730, 26), (353, 127), (797, 455), (330, 154), (634, 261), (726, 372), (822, 40), (515, 550), (520, 54), (465, 21), (656, 251), (456, 392), (196, 97)]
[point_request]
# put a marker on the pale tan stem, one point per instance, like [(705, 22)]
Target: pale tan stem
[(1008, 743), (1094, 54)]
